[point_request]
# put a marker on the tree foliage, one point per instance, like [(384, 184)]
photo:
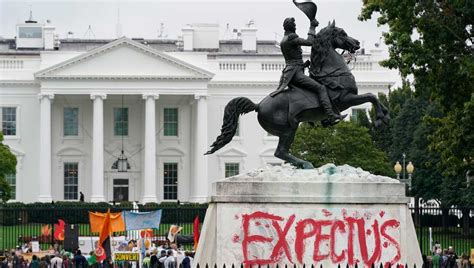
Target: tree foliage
[(431, 42), (345, 143), (7, 166)]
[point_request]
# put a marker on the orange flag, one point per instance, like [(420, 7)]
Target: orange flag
[(96, 220), (103, 248)]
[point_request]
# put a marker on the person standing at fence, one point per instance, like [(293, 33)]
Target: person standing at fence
[(465, 261), (437, 258), (451, 258)]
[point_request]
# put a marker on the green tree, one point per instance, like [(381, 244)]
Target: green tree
[(431, 41), (7, 166), (345, 143)]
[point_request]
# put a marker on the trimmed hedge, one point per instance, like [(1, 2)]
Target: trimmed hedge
[(77, 212)]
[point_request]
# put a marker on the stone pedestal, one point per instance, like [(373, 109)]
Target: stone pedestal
[(329, 216)]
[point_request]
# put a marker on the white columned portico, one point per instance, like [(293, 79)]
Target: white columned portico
[(45, 148), (200, 175), (98, 148), (149, 167)]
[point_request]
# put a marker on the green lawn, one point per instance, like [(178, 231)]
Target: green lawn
[(452, 237)]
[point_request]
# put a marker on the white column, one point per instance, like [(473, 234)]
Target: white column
[(200, 183), (98, 148), (45, 148), (149, 167)]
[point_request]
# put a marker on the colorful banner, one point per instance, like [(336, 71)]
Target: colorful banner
[(142, 220), (96, 219), (174, 230), (126, 256), (59, 230)]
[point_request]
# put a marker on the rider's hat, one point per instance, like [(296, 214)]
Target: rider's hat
[(308, 7)]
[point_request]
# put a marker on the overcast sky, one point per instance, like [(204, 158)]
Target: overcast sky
[(143, 18)]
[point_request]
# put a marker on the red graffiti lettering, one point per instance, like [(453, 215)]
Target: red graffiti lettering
[(281, 243), (350, 240), (319, 237), (301, 235), (338, 225), (277, 239), (363, 243), (383, 230)]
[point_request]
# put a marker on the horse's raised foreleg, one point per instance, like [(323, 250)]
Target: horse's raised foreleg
[(282, 151), (381, 112)]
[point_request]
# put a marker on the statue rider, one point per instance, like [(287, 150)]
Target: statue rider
[(293, 73)]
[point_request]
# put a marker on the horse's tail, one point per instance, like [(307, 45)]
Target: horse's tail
[(233, 110)]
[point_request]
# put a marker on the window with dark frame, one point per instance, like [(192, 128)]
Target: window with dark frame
[(121, 121), (71, 121), (231, 169), (170, 122), (11, 180), (8, 118), (71, 176), (170, 176)]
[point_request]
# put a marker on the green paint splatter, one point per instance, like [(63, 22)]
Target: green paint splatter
[(330, 170)]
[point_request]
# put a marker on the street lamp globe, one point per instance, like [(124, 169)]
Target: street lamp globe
[(398, 169), (410, 168)]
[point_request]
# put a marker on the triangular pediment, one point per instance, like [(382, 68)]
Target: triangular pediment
[(124, 59), (232, 152)]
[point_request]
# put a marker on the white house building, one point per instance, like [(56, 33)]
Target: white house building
[(69, 107)]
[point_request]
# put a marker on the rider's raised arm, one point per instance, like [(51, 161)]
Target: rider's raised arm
[(311, 35)]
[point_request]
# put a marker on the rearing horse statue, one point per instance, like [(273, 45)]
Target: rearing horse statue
[(281, 114)]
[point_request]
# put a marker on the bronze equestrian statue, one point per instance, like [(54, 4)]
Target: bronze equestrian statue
[(282, 111), (293, 73)]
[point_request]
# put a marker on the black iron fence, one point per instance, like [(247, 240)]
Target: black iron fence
[(22, 225), (373, 265), (444, 228)]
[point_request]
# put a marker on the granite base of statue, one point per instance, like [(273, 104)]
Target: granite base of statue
[(326, 216)]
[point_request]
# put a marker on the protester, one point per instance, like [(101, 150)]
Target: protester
[(436, 259), (146, 261), (107, 263), (79, 260), (465, 261), (154, 259), (187, 261), (161, 259), (66, 262), (43, 262), (4, 263), (34, 262), (57, 261), (451, 258), (92, 260), (169, 260)]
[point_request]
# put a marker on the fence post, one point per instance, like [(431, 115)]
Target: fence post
[(465, 222)]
